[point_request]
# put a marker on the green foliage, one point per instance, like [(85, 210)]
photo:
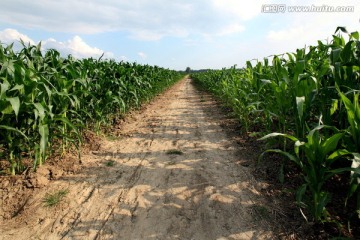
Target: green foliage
[(45, 98), (309, 97), (53, 199), (314, 157), (110, 163), (174, 152)]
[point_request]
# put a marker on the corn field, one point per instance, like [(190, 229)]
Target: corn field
[(306, 105), (47, 99)]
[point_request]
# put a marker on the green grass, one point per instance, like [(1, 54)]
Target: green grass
[(52, 199), (110, 163), (174, 152), (111, 138)]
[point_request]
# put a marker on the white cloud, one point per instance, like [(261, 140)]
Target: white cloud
[(146, 35), (142, 55), (231, 29), (140, 19), (244, 10), (212, 32), (287, 34), (75, 46), (9, 36), (78, 46), (295, 30)]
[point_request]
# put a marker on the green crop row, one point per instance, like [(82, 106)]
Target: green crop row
[(308, 102), (45, 98)]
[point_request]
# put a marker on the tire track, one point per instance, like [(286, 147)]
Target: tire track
[(200, 193)]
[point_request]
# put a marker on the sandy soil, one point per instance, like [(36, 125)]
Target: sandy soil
[(151, 191)]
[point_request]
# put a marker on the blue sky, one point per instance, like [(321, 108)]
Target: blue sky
[(172, 34)]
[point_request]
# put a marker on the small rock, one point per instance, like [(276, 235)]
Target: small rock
[(28, 184), (5, 184), (56, 173), (42, 171), (41, 181)]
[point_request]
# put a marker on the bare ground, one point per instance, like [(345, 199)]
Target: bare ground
[(173, 174)]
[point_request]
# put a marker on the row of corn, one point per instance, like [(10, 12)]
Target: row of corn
[(306, 105), (47, 99)]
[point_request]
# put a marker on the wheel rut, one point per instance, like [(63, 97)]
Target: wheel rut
[(151, 191)]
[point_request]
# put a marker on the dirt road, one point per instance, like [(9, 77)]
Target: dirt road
[(174, 175)]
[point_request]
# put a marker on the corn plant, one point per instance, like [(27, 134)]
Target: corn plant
[(353, 131), (304, 97), (320, 153), (46, 98)]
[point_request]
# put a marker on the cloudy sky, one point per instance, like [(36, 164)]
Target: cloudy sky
[(173, 34)]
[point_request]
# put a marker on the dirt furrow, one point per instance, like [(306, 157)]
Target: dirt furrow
[(174, 176)]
